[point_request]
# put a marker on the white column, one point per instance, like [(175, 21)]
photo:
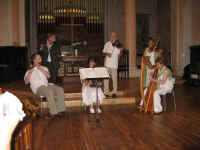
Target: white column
[(10, 29), (177, 28), (130, 34), (22, 23)]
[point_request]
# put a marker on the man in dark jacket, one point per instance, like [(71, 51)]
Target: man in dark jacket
[(51, 55)]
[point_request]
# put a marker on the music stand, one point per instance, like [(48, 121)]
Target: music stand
[(95, 74)]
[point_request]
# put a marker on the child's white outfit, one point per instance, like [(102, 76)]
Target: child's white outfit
[(89, 94)]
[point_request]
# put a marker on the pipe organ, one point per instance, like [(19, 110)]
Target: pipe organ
[(87, 13), (79, 26)]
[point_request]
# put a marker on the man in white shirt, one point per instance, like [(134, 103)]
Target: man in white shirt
[(38, 79), (112, 54)]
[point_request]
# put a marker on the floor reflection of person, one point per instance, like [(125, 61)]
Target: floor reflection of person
[(38, 76), (89, 93), (164, 84)]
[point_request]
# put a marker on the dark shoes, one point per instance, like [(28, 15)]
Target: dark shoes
[(106, 95), (114, 96), (60, 115), (48, 117), (57, 116), (63, 114)]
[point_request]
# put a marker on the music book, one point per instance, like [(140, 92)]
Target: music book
[(93, 73)]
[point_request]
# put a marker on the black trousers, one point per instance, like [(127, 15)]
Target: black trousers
[(53, 71)]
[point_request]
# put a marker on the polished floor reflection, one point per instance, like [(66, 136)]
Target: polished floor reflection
[(124, 128)]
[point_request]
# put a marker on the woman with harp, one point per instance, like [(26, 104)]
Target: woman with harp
[(161, 84), (147, 67)]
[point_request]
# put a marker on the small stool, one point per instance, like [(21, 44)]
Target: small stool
[(164, 98), (42, 100)]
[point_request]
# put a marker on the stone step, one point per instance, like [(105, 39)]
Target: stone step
[(73, 96), (75, 100), (107, 101)]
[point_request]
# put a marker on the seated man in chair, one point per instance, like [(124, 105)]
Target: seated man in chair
[(38, 76)]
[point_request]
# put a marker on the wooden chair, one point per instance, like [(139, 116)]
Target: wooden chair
[(22, 137), (43, 108)]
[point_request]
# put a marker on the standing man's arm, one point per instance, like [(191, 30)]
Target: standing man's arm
[(105, 50), (107, 54), (120, 52), (56, 47)]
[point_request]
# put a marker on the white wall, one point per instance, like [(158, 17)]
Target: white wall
[(7, 25), (191, 32)]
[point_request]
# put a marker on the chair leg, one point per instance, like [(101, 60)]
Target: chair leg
[(84, 107), (164, 102), (173, 94), (41, 107)]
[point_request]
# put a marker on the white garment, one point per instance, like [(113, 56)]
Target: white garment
[(49, 50), (148, 76), (10, 105), (151, 55), (11, 113), (163, 90), (37, 79), (152, 60), (89, 95), (112, 61), (113, 74), (49, 56)]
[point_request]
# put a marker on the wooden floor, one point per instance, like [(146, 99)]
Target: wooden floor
[(124, 128)]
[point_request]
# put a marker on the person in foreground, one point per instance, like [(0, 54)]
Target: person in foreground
[(38, 76), (89, 93), (11, 113), (161, 84)]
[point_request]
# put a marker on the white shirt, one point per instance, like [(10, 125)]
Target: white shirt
[(37, 79), (11, 112), (151, 55), (49, 56), (10, 106), (111, 62)]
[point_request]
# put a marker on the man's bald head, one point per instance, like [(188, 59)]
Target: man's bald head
[(113, 36)]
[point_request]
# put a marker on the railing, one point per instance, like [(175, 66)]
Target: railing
[(123, 66)]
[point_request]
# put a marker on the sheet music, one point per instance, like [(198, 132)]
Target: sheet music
[(93, 73)]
